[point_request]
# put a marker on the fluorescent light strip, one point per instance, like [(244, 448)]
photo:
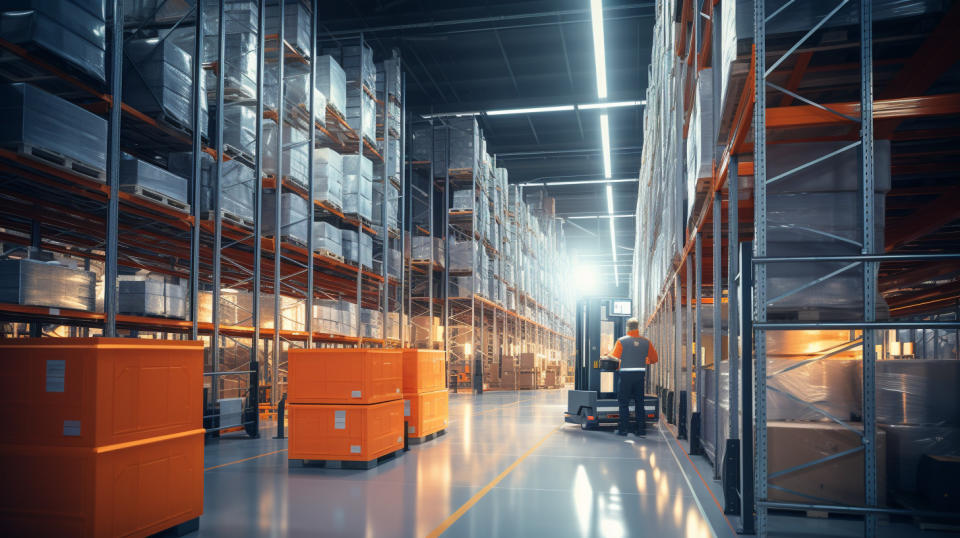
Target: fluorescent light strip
[(599, 56), (616, 104), (605, 140), (531, 110), (582, 182), (609, 199), (584, 217)]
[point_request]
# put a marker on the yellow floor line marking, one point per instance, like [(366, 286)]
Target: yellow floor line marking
[(244, 459), (498, 408), (486, 489)]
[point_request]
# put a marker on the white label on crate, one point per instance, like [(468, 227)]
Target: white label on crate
[(71, 428), (339, 420), (354, 449), (355, 394), (412, 429), (54, 311), (56, 375), (399, 439), (398, 390), (406, 408)]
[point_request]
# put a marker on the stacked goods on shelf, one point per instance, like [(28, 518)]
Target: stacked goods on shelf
[(370, 321), (332, 82), (69, 30), (357, 251), (293, 216), (460, 137), (296, 24), (327, 239), (102, 457), (145, 179), (345, 405), (296, 157), (361, 77), (157, 80), (48, 128), (358, 187), (236, 186), (44, 280), (328, 177), (239, 130), (425, 397), (393, 203), (151, 294)]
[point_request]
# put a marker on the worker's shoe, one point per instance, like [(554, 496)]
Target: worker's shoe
[(622, 433)]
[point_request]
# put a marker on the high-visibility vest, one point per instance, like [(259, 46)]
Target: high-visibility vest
[(634, 353)]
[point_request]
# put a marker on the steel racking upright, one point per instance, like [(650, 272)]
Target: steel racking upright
[(218, 254), (786, 92)]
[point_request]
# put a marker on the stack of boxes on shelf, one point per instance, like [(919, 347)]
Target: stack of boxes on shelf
[(528, 376), (44, 279), (151, 294), (425, 397), (328, 178), (108, 435), (361, 78), (345, 406), (358, 187)]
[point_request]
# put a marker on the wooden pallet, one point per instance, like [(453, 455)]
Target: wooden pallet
[(425, 438), (230, 218), (239, 155), (156, 197), (328, 254), (59, 161), (345, 464)]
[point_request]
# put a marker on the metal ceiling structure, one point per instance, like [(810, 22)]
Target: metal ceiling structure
[(475, 57)]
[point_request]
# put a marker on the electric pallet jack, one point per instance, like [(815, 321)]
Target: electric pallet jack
[(593, 402)]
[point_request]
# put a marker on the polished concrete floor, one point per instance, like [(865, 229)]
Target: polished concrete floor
[(508, 466)]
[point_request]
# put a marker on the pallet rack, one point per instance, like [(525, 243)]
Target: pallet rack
[(793, 90), (71, 213)]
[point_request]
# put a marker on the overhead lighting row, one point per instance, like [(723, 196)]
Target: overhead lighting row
[(537, 109)]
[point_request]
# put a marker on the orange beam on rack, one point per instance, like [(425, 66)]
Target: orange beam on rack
[(799, 70), (884, 109), (932, 217)]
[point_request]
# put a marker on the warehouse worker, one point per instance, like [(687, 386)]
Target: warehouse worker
[(635, 353)]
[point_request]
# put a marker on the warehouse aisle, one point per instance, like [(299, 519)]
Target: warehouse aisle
[(507, 467)]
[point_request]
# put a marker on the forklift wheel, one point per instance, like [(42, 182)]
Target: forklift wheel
[(584, 423)]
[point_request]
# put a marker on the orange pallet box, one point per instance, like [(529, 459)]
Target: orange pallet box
[(98, 391), (338, 376), (128, 489), (425, 412), (345, 432), (424, 370)]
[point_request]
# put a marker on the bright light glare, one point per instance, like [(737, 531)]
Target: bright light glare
[(580, 182), (605, 140), (531, 110), (609, 199), (599, 56), (586, 279), (617, 104)]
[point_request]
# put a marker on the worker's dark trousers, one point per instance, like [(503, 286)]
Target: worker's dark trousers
[(631, 388)]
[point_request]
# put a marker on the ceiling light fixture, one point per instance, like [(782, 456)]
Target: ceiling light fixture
[(615, 104), (596, 16), (605, 140), (579, 182), (530, 110)]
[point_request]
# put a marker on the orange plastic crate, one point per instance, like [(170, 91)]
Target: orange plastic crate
[(339, 376), (424, 370), (345, 432), (128, 489), (426, 412), (98, 391)]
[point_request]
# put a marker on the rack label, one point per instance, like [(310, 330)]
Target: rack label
[(56, 375)]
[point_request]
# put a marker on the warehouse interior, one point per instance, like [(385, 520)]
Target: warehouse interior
[(294, 267)]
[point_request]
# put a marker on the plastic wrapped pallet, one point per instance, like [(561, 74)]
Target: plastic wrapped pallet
[(134, 172), (328, 178), (332, 81), (240, 128), (293, 216), (420, 146), (327, 237), (357, 63), (74, 31), (296, 23), (157, 80), (422, 247), (348, 317), (240, 63), (327, 316), (51, 284), (357, 251), (393, 202), (358, 186), (295, 85), (461, 136), (37, 119), (175, 297), (396, 263), (295, 156), (463, 199), (141, 295), (236, 184), (700, 140), (393, 155), (361, 108), (241, 17), (461, 255)]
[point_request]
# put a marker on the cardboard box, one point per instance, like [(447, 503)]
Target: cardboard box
[(527, 380), (528, 361), (840, 480), (426, 412), (345, 432), (350, 376), (94, 392)]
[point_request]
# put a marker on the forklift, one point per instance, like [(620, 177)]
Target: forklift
[(593, 402)]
